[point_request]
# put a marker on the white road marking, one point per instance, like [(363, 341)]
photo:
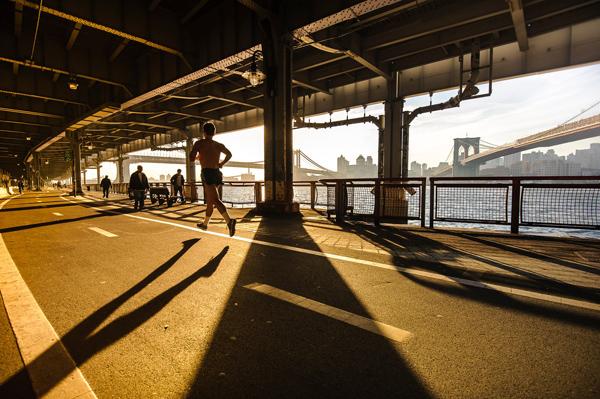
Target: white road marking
[(57, 213), (374, 326), (405, 270), (38, 201), (35, 336), (103, 232)]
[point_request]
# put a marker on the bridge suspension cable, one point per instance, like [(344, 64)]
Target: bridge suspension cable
[(488, 144), (312, 162), (581, 113)]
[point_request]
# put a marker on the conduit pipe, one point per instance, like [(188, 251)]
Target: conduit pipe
[(470, 90)]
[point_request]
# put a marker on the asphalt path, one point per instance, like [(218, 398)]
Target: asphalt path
[(163, 310)]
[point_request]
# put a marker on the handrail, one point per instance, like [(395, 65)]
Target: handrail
[(558, 202)]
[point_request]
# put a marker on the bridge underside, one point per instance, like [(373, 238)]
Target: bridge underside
[(153, 78)]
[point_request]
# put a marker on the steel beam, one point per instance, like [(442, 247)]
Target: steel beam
[(104, 28), (518, 19), (118, 50), (33, 113), (63, 72), (44, 98), (73, 36), (18, 19), (193, 11)]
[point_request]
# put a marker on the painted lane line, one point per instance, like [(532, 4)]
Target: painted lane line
[(404, 270), (57, 213), (37, 339), (374, 326), (103, 232)]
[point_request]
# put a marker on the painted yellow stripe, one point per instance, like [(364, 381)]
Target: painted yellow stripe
[(103, 232), (374, 326)]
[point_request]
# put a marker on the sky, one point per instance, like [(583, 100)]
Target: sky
[(517, 107)]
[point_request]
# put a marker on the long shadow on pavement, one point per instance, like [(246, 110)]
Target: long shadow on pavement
[(385, 234), (37, 206), (82, 346), (530, 253), (264, 347)]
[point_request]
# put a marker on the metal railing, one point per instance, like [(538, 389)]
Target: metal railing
[(379, 199), (552, 201), (309, 193), (549, 201)]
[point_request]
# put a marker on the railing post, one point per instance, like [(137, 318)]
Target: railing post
[(515, 205), (377, 208), (431, 201), (340, 207), (313, 194), (423, 194), (257, 192)]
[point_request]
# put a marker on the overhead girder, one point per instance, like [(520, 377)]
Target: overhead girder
[(104, 28), (518, 19)]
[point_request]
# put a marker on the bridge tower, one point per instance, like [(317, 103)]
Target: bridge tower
[(470, 146)]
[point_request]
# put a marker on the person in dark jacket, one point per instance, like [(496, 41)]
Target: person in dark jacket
[(177, 181), (138, 183), (106, 185), (21, 186)]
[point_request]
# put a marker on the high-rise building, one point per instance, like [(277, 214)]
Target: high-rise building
[(511, 159)]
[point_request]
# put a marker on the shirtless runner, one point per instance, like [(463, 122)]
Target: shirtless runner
[(209, 152)]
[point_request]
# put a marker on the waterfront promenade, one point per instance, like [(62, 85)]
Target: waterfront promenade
[(147, 305)]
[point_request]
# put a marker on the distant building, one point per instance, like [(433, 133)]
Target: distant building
[(492, 164), (416, 169), (512, 159), (247, 177), (161, 177), (362, 168)]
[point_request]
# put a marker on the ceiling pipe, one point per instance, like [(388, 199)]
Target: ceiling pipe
[(62, 72), (104, 28), (469, 91)]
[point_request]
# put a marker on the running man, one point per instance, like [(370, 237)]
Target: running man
[(209, 152)]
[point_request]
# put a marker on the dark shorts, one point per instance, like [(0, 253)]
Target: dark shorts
[(212, 176)]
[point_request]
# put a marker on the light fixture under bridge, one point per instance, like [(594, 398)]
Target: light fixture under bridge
[(254, 75)]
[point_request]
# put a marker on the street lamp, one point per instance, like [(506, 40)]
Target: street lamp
[(254, 75)]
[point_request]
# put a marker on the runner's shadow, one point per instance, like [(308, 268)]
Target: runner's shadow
[(284, 350), (82, 344)]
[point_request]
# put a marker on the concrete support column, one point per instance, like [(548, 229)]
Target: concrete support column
[(120, 169), (84, 177), (380, 146), (76, 149), (98, 166), (278, 146), (190, 166), (36, 171), (392, 134), (405, 146)]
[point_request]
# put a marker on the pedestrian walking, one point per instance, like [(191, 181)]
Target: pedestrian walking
[(138, 184), (106, 185), (209, 153), (21, 186), (177, 181)]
